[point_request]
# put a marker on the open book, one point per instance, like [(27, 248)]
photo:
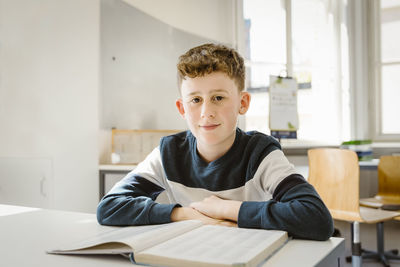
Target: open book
[(185, 243)]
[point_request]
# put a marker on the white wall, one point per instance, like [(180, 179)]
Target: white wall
[(212, 19), (138, 68), (50, 91), (49, 61)]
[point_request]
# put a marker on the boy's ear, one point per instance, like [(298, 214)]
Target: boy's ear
[(179, 105), (244, 102)]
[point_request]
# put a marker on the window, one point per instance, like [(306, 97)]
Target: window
[(302, 38), (386, 68)]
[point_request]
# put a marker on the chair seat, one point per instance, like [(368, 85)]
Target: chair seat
[(370, 215), (366, 215), (380, 201)]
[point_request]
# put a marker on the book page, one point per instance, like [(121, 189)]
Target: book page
[(215, 245), (135, 237)]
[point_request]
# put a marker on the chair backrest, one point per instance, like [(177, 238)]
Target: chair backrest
[(335, 175), (389, 176)]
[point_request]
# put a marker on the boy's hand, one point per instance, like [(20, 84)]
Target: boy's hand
[(218, 208), (186, 213)]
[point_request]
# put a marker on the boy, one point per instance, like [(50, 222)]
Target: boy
[(215, 172)]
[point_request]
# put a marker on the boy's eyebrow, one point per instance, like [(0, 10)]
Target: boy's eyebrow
[(212, 91)]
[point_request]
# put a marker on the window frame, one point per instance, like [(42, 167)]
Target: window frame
[(375, 71), (340, 18)]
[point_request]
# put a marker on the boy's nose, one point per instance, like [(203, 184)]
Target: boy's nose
[(207, 111)]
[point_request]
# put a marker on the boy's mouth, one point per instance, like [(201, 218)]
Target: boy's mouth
[(209, 127)]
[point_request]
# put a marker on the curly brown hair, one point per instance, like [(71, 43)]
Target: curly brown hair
[(208, 58)]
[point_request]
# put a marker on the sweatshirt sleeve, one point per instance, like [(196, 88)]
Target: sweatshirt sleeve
[(295, 206), (132, 200)]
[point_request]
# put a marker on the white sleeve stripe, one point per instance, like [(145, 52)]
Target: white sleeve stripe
[(272, 170), (151, 168)]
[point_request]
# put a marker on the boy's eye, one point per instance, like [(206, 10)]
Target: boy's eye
[(196, 100), (218, 98)]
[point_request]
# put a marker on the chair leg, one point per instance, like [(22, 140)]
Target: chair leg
[(380, 255), (356, 258), (370, 255), (367, 252), (393, 251), (391, 256), (380, 244)]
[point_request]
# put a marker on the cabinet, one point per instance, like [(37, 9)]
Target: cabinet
[(26, 181)]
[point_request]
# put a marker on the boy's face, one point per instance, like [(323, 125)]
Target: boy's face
[(210, 105)]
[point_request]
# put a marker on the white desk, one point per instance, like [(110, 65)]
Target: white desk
[(304, 253), (369, 165), (26, 233)]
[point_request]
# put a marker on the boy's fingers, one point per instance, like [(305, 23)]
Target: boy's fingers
[(228, 223), (194, 204)]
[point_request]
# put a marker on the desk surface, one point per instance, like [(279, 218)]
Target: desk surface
[(116, 167), (26, 233), (370, 163)]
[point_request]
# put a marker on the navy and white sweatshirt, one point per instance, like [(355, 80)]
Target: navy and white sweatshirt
[(254, 170)]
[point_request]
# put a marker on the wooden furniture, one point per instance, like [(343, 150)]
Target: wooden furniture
[(335, 175), (388, 196), (133, 146), (129, 148), (26, 234)]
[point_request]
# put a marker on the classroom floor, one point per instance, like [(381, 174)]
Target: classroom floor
[(368, 240)]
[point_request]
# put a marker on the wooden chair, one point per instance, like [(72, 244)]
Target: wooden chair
[(388, 196), (335, 175)]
